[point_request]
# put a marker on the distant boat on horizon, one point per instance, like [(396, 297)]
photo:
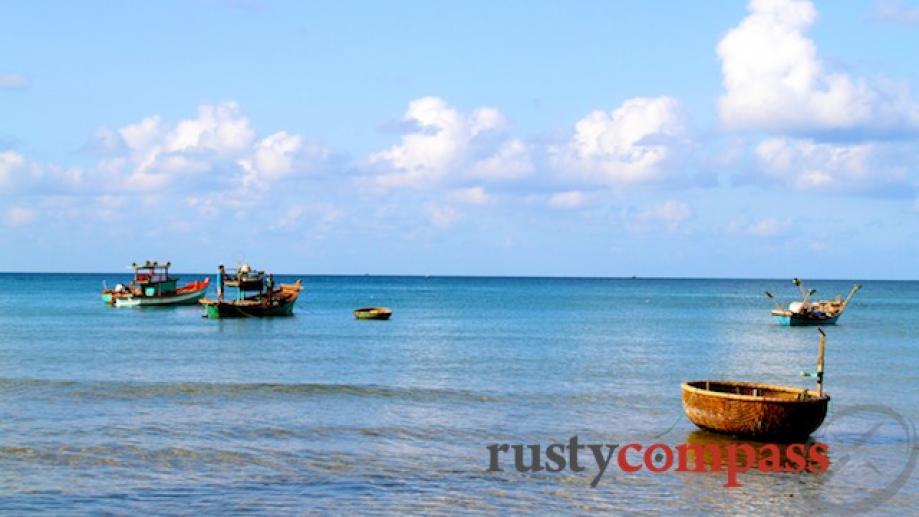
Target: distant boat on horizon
[(806, 312)]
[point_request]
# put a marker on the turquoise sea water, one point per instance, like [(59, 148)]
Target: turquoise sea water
[(139, 410)]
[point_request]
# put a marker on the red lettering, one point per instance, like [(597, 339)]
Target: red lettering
[(621, 459), (733, 467), (819, 454), (770, 458), (796, 462), (649, 458)]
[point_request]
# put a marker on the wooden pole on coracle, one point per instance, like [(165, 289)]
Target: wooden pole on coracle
[(820, 362)]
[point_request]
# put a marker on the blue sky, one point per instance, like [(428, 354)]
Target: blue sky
[(775, 138)]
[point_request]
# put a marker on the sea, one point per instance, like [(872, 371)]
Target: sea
[(160, 411)]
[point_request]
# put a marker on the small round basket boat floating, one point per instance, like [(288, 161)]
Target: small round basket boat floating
[(758, 411), (751, 410), (373, 313)]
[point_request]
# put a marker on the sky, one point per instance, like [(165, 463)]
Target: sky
[(774, 138)]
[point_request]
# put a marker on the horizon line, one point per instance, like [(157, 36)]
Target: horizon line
[(548, 277)]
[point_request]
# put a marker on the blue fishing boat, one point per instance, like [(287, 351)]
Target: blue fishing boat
[(807, 312)]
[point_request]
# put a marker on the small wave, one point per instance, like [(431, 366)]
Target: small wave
[(139, 390)]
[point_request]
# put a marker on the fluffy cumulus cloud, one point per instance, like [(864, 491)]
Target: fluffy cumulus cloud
[(774, 79), (278, 156), (218, 146), (157, 154), (805, 164), (632, 144), (445, 145)]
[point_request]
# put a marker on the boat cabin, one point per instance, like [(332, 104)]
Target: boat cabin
[(248, 282), (152, 279)]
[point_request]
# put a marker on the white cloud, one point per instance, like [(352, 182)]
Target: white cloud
[(470, 196), (775, 80), (19, 216), (14, 82), (447, 145), (570, 199), (512, 160), (222, 129), (805, 164), (280, 155), (217, 135), (149, 156), (632, 144)]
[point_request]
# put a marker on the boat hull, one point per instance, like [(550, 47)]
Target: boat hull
[(189, 298), (216, 310), (757, 411), (796, 320), (186, 295)]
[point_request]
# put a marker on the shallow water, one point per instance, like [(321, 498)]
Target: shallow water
[(126, 410)]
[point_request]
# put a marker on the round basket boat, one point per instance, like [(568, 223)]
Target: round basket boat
[(373, 313), (757, 411)]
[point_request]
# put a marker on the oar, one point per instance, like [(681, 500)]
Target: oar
[(777, 304)]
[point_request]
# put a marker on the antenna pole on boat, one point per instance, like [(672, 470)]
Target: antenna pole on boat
[(820, 362)]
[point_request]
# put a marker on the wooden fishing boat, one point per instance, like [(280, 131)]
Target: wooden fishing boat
[(807, 312), (153, 286), (373, 313), (256, 295), (757, 411)]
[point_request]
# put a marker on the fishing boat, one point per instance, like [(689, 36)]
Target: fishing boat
[(373, 313), (807, 312), (256, 295), (758, 411), (153, 286)]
